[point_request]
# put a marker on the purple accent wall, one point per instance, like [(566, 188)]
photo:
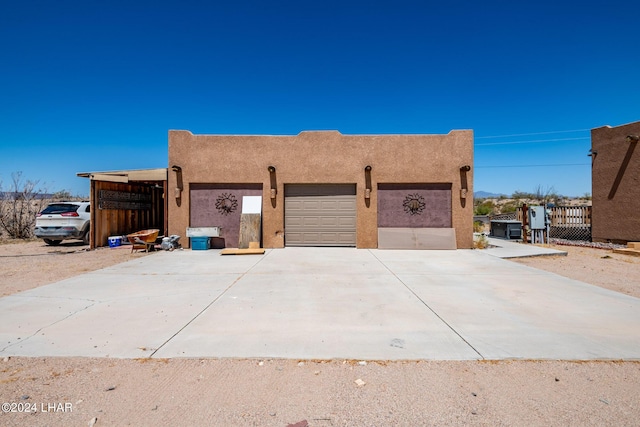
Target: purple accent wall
[(208, 203), (414, 205)]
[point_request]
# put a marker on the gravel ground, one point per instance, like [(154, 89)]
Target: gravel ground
[(597, 245), (196, 392)]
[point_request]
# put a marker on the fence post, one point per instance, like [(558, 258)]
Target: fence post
[(524, 222)]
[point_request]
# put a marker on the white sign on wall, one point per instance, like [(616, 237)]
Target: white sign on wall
[(251, 204)]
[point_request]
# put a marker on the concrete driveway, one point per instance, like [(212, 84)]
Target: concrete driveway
[(322, 303)]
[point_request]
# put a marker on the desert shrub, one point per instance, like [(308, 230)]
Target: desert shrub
[(62, 195), (19, 206), (484, 208), (480, 241), (510, 206), (522, 195), (478, 226)]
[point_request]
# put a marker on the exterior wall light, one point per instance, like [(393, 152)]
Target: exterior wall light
[(274, 186), (464, 186), (179, 185), (367, 179)]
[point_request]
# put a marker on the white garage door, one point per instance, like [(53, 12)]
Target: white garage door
[(320, 214)]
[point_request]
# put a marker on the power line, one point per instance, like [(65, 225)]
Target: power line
[(527, 134), (532, 141), (534, 166)]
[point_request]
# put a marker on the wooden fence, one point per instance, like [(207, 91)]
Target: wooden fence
[(567, 222), (566, 216)]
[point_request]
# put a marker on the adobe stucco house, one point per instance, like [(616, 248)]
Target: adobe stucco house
[(326, 189), (615, 215)]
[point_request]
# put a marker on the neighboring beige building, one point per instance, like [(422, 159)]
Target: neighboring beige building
[(327, 189), (616, 183)]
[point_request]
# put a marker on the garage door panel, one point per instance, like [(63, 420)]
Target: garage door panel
[(295, 190), (311, 205), (311, 221), (330, 222), (351, 207), (295, 222), (295, 204), (323, 213), (345, 238), (349, 222), (320, 215), (329, 206), (294, 236), (321, 223), (329, 238), (321, 239)]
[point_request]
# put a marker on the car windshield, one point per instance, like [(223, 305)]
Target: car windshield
[(60, 208)]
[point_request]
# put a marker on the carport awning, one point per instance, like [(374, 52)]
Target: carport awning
[(127, 176)]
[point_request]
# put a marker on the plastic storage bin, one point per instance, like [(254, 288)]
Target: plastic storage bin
[(199, 243)]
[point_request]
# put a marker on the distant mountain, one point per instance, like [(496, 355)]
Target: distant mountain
[(485, 195)]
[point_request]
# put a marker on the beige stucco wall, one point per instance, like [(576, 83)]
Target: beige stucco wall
[(323, 157), (615, 214)]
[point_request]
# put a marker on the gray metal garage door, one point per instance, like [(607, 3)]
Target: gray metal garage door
[(320, 214)]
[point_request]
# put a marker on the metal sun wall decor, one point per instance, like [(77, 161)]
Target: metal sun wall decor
[(226, 203), (414, 204)]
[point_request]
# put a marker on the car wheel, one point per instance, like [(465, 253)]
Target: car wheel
[(52, 242), (85, 238)]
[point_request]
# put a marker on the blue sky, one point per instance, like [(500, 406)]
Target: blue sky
[(93, 86)]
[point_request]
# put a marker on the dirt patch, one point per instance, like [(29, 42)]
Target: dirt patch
[(27, 265), (600, 267), (279, 393), (151, 392)]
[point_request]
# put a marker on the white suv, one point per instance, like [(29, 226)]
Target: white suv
[(63, 220)]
